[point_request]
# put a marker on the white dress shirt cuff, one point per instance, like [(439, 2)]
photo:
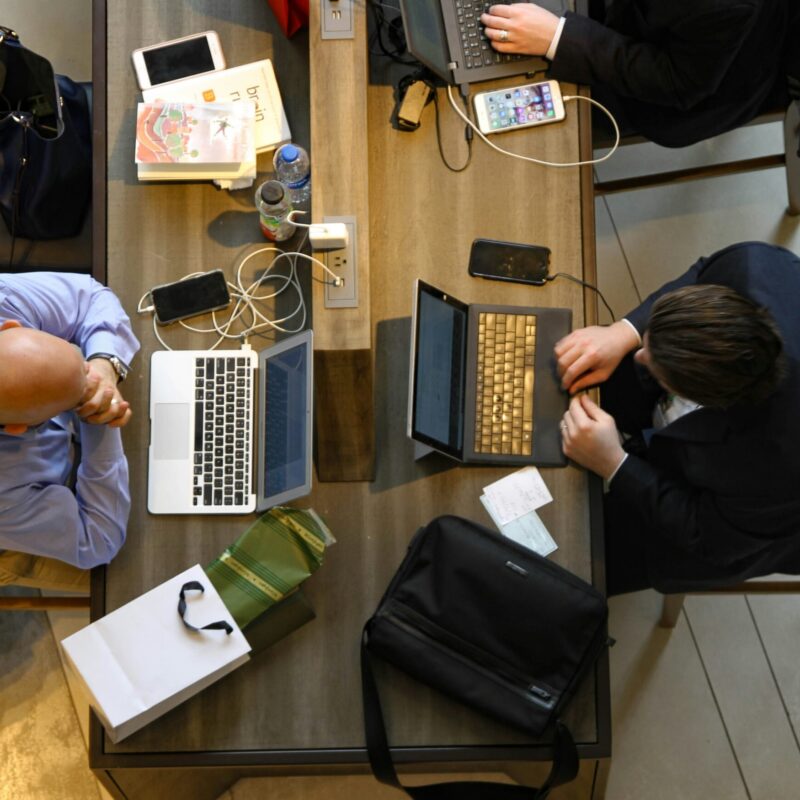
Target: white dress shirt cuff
[(633, 328), (551, 51), (607, 482)]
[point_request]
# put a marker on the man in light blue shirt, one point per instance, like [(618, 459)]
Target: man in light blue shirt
[(65, 344)]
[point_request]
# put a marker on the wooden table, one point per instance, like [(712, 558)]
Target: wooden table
[(296, 707)]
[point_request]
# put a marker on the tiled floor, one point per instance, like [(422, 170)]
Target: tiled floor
[(709, 710)]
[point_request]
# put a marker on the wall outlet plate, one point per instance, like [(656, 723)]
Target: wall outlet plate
[(342, 263), (336, 19)]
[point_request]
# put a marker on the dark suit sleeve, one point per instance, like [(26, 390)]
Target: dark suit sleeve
[(716, 529), (678, 69)]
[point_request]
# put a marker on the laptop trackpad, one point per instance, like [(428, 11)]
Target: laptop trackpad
[(171, 431)]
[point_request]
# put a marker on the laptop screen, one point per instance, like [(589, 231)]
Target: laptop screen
[(425, 34), (285, 422), (439, 370)]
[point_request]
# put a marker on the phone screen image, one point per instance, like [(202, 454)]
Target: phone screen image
[(508, 261), (187, 298), (178, 60)]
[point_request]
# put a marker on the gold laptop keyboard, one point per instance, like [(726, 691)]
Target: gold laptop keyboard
[(504, 403)]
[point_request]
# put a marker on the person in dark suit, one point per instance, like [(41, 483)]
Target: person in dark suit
[(675, 71), (703, 381)]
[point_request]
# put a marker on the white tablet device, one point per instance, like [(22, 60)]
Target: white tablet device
[(178, 58)]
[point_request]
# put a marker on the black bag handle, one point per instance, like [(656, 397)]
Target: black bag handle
[(564, 769), (196, 586)]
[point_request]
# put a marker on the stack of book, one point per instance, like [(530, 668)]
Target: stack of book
[(253, 82), (189, 142), (211, 126)]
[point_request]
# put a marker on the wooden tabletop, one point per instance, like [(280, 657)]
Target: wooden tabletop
[(299, 702)]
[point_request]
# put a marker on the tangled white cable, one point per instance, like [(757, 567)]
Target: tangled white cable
[(246, 299)]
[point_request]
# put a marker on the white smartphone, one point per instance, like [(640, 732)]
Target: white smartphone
[(178, 58), (519, 107)]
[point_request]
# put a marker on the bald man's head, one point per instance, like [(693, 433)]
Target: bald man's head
[(40, 376)]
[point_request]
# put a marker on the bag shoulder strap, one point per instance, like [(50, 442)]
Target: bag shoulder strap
[(564, 769)]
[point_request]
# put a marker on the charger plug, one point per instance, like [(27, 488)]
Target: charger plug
[(328, 235)]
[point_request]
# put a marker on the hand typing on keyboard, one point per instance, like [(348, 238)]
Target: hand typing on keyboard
[(520, 28)]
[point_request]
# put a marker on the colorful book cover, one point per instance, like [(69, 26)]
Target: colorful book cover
[(254, 82), (188, 135)]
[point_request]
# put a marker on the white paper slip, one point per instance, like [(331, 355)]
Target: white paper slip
[(517, 494), (527, 530)]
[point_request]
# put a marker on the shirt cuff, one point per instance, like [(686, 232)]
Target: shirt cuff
[(613, 474), (633, 328), (551, 51)]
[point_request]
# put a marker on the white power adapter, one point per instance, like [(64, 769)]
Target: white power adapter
[(328, 235)]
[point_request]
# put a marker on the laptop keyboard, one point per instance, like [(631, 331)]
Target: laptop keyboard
[(222, 436), (504, 400), (478, 52)]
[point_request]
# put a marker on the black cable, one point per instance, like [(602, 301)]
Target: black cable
[(467, 136), (394, 28), (585, 284)]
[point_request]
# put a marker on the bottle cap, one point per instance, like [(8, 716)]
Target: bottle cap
[(289, 153), (272, 192)]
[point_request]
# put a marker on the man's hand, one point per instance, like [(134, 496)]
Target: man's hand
[(530, 28), (589, 437), (588, 356), (102, 404)]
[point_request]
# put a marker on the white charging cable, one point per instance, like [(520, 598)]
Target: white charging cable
[(245, 309), (538, 160)]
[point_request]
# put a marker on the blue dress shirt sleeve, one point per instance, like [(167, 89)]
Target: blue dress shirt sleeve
[(83, 525)]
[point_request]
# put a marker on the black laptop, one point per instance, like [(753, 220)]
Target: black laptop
[(447, 37), (483, 386)]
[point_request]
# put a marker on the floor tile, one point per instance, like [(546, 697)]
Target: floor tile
[(61, 32), (41, 750), (778, 622), (614, 278), (745, 690), (668, 739), (664, 231), (349, 787)]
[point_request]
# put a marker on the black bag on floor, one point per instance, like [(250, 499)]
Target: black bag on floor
[(495, 626), (45, 146)]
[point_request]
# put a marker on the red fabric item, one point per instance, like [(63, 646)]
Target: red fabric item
[(292, 15)]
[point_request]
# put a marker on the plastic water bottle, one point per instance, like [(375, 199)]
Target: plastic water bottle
[(274, 207), (293, 169)]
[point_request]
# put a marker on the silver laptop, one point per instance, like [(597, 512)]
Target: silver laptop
[(447, 37), (210, 453), (483, 386)]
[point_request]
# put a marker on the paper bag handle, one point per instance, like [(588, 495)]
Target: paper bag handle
[(196, 586)]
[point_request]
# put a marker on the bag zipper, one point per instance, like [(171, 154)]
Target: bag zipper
[(530, 692)]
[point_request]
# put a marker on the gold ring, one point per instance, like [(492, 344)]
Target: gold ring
[(504, 35)]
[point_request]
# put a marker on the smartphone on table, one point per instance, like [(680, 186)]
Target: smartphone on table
[(190, 297), (519, 107), (509, 261), (178, 58)]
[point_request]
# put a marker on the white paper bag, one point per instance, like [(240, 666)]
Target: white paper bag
[(140, 661)]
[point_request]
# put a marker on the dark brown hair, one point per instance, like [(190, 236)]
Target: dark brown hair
[(712, 345)]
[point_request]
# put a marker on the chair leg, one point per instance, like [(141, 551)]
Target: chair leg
[(791, 141), (670, 610)]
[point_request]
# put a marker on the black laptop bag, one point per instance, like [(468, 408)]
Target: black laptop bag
[(494, 625)]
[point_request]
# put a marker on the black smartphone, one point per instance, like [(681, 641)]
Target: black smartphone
[(190, 297), (509, 261)]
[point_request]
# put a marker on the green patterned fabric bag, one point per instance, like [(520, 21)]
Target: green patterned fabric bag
[(269, 561)]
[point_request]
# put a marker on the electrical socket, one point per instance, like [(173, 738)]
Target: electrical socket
[(342, 262), (336, 19)]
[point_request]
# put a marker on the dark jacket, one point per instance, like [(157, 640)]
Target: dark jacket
[(717, 493), (681, 70)]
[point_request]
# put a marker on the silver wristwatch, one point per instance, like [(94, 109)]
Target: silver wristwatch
[(119, 366)]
